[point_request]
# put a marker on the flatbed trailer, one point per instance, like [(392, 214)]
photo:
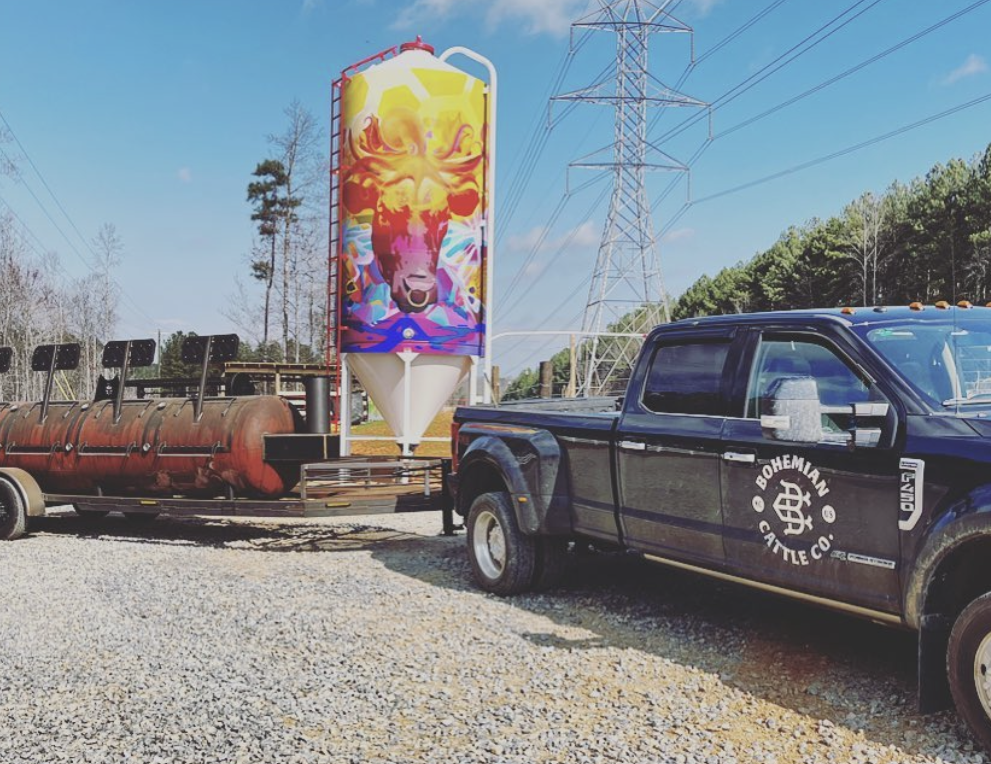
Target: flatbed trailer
[(238, 455), (332, 488)]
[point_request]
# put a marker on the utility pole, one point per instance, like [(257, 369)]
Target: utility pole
[(626, 293)]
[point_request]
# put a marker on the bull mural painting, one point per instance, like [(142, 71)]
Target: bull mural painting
[(412, 206)]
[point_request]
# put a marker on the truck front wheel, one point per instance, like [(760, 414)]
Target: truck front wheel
[(968, 663), (502, 558)]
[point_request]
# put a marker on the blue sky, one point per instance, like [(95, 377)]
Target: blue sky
[(152, 115)]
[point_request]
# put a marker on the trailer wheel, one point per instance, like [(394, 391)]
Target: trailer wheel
[(502, 558), (552, 563), (13, 512), (141, 518), (90, 514), (968, 665)]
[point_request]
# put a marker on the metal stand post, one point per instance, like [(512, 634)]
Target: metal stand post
[(473, 382), (344, 405), (407, 356)]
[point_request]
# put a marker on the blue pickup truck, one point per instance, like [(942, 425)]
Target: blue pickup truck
[(842, 457)]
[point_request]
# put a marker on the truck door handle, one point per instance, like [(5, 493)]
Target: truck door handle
[(733, 456), (632, 445)]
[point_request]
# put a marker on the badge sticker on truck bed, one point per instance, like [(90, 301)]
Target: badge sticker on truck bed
[(912, 479), (794, 509)]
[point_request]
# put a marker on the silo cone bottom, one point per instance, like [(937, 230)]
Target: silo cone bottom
[(433, 379)]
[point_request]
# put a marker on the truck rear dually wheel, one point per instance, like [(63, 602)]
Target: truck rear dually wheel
[(968, 665), (502, 558)]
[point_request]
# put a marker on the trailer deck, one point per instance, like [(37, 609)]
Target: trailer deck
[(341, 487)]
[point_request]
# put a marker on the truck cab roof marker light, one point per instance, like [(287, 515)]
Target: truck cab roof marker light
[(965, 304), (847, 311), (942, 305), (916, 306)]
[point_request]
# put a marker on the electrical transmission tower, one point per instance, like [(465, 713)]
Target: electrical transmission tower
[(626, 293)]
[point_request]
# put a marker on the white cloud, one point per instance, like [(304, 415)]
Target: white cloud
[(703, 7), (584, 236), (310, 5), (552, 17), (678, 234), (544, 17), (972, 66), (185, 175)]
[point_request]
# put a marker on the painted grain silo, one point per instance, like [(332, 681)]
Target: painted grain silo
[(413, 219)]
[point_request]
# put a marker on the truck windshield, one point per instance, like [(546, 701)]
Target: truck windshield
[(948, 362)]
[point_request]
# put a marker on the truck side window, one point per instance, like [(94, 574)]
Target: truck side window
[(838, 384), (687, 379)]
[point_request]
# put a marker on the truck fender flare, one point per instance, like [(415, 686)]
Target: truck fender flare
[(946, 536), (943, 538), (492, 453), (27, 488)]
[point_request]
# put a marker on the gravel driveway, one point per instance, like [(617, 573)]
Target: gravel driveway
[(364, 641)]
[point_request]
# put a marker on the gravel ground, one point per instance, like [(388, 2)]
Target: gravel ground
[(365, 641)]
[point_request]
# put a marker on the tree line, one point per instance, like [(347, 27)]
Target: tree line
[(41, 304), (927, 240)]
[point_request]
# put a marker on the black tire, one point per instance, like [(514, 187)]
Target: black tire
[(968, 667), (90, 514), (13, 512), (552, 563), (503, 560), (141, 518)]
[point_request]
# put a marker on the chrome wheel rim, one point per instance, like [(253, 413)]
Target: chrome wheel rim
[(489, 543), (982, 673)]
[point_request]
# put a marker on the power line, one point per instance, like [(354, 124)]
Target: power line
[(853, 69), (90, 266), (788, 57), (562, 248), (848, 150), (44, 182), (822, 85), (739, 31), (715, 49), (539, 132), (531, 158)]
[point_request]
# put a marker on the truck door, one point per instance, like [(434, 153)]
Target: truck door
[(815, 517), (669, 448)]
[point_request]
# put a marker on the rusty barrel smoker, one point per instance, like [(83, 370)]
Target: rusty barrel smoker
[(196, 447), (155, 447)]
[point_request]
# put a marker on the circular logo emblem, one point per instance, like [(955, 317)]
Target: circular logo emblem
[(794, 510)]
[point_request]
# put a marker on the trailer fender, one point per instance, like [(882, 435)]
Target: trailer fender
[(528, 465), (27, 488)]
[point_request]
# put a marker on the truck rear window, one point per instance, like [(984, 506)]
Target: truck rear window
[(687, 379)]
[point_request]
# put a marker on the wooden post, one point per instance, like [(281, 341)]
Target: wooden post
[(572, 390), (546, 379), (496, 386)]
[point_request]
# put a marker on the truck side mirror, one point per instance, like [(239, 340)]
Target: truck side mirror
[(791, 412)]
